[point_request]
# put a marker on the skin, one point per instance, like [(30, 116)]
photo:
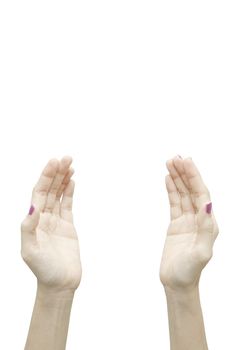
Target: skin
[(50, 248), (188, 248)]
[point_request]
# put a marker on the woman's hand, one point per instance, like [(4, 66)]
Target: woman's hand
[(193, 228), (50, 244)]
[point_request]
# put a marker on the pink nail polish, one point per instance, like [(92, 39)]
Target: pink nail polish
[(209, 208), (31, 210)]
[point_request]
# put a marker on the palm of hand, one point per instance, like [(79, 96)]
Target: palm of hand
[(55, 260), (180, 265), (50, 244), (191, 233)]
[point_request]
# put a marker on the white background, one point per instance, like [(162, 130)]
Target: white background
[(121, 86)]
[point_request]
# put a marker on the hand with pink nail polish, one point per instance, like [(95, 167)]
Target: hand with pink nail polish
[(188, 248), (193, 228), (50, 247)]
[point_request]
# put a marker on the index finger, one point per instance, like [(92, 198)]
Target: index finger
[(197, 185), (44, 183)]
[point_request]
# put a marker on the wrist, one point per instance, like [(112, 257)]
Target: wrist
[(183, 297), (49, 294), (186, 323)]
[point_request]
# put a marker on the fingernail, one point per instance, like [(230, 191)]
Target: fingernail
[(209, 208), (31, 210)]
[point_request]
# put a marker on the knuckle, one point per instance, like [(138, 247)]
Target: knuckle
[(183, 194), (39, 191)]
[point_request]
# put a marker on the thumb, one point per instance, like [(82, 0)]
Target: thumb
[(204, 219), (205, 229), (31, 221)]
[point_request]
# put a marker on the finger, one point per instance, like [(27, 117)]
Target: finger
[(59, 177), (186, 202), (179, 166), (197, 186), (29, 225), (65, 181), (40, 191), (174, 198), (205, 238), (67, 202), (47, 223), (204, 219)]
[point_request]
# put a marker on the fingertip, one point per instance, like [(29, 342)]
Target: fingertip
[(71, 172), (189, 166), (51, 168), (177, 156), (31, 220), (169, 163), (67, 159), (208, 208), (177, 160), (31, 210), (53, 162), (188, 160), (34, 211)]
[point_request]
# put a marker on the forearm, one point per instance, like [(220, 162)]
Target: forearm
[(185, 320), (50, 320)]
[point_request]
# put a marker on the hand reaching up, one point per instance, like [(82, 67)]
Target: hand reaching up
[(193, 228), (50, 244)]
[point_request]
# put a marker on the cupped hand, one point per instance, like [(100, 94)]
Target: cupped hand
[(50, 244), (193, 228)]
